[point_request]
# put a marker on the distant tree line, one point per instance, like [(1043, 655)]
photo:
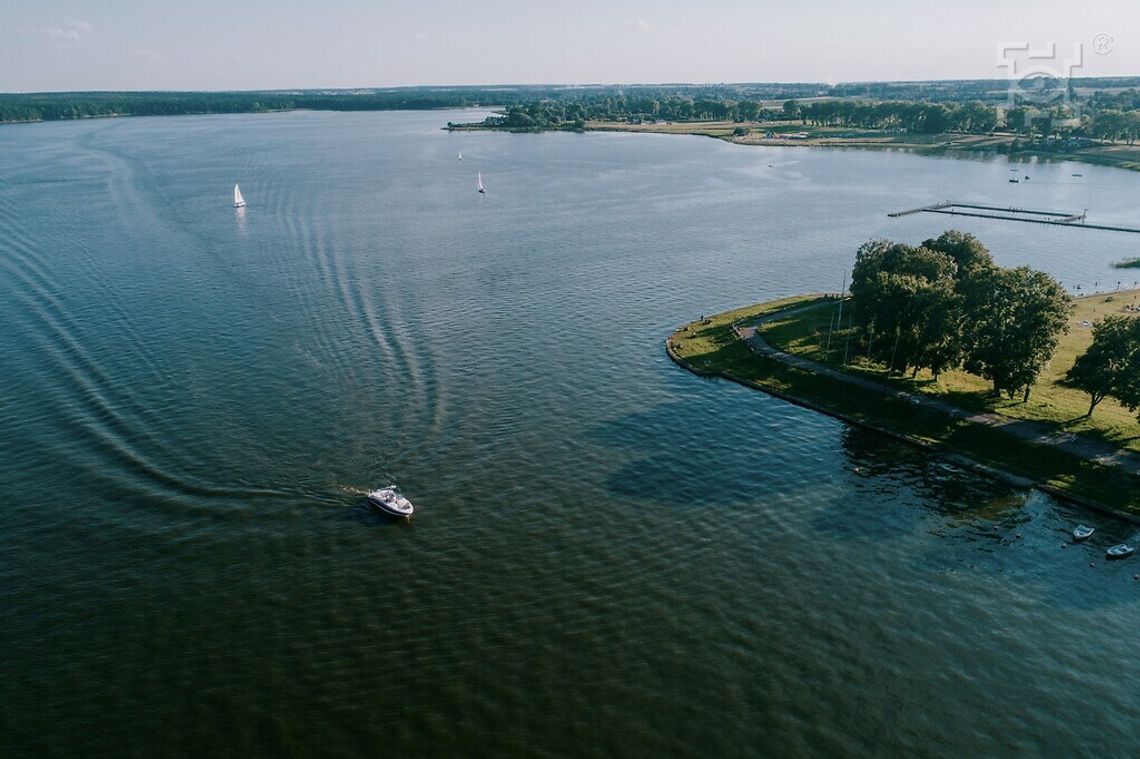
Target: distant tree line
[(51, 106), (1058, 123), (79, 105), (912, 116), (560, 114), (1112, 118), (1051, 117), (1054, 111)]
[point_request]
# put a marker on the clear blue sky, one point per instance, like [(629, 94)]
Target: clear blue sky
[(253, 44)]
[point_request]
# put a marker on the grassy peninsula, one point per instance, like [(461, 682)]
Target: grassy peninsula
[(711, 347)]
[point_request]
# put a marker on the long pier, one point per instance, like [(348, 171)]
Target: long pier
[(1010, 213)]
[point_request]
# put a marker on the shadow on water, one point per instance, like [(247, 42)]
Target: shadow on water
[(695, 453), (865, 487), (883, 466), (978, 524)]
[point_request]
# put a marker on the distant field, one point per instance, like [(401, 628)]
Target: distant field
[(802, 334), (1120, 156)]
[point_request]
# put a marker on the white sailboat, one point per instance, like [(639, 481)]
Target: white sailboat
[(479, 182), (460, 156), (239, 201)]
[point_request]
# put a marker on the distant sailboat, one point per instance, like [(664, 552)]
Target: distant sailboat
[(239, 201), (479, 182), (460, 156)]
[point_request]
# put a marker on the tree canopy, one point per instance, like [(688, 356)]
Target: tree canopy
[(1111, 365), (945, 304), (899, 293), (1013, 321), (967, 251)]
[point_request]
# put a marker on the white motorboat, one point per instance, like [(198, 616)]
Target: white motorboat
[(1122, 551), (391, 501), (239, 201), (1082, 532)]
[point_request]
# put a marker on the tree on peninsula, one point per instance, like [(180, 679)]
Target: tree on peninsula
[(966, 250), (945, 304), (903, 297), (1014, 319), (1111, 365)]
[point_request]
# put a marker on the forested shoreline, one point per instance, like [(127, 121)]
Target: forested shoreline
[(1104, 108), (1074, 110), (57, 106)]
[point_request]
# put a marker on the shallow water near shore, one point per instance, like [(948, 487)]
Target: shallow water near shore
[(609, 555)]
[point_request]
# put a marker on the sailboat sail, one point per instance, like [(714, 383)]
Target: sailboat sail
[(479, 182), (239, 201), (460, 156)]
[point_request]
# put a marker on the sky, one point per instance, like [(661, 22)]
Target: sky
[(51, 45)]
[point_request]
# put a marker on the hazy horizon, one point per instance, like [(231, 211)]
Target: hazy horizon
[(69, 45)]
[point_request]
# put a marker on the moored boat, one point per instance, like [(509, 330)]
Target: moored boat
[(1122, 551), (391, 501), (1082, 532)]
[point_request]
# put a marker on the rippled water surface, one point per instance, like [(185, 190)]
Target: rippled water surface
[(610, 556)]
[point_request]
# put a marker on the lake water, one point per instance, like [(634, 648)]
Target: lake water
[(609, 556)]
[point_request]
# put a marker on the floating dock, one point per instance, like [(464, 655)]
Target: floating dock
[(1011, 213)]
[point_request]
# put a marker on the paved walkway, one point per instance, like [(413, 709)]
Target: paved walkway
[(1082, 447)]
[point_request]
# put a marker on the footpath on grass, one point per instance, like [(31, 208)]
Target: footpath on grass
[(1086, 448), (1085, 470)]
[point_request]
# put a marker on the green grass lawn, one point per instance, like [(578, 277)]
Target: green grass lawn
[(805, 334)]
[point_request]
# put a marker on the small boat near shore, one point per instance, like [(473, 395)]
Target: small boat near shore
[(391, 501), (1122, 551), (1082, 532)]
